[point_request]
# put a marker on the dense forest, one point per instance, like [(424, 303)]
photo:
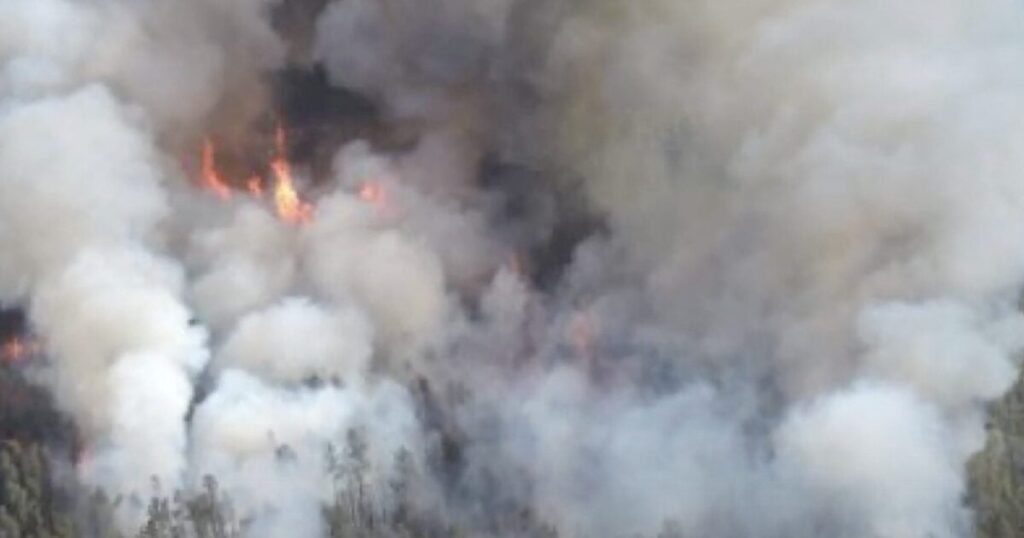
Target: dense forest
[(996, 474), (511, 269), (39, 497)]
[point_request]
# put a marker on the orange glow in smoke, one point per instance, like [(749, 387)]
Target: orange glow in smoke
[(17, 349), (582, 334), (371, 193), (375, 194), (517, 265), (290, 207), (255, 186), (212, 180)]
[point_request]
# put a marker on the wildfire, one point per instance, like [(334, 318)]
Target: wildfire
[(517, 265), (17, 349), (583, 334), (376, 195), (289, 206), (371, 192), (211, 177), (255, 186)]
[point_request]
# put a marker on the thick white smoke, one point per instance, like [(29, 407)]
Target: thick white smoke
[(268, 444), (799, 297), (80, 207), (812, 209), (86, 92), (820, 200)]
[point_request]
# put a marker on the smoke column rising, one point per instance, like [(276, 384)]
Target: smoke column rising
[(737, 268)]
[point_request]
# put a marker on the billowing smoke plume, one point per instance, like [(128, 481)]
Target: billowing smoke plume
[(740, 268)]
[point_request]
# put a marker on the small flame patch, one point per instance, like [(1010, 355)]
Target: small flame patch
[(212, 179)]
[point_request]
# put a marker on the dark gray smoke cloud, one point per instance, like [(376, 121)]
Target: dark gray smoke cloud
[(742, 268)]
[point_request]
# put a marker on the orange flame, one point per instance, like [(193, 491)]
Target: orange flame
[(255, 186), (211, 177), (375, 194), (371, 192), (290, 207)]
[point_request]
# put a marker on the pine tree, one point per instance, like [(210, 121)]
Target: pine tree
[(28, 504)]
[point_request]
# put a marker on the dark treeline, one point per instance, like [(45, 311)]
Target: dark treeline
[(39, 497), (31, 506), (996, 474)]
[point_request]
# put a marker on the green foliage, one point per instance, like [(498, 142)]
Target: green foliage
[(352, 513), (211, 514), (95, 516), (996, 483), (29, 506), (206, 515)]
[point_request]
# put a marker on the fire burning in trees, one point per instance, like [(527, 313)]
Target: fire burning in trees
[(211, 176), (289, 206), (287, 203)]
